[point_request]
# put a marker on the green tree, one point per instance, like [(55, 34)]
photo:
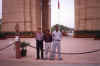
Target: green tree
[(62, 28)]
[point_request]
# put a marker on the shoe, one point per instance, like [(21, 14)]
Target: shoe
[(60, 59), (51, 59), (37, 58), (42, 58), (45, 59)]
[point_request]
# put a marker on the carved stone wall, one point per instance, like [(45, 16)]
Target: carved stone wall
[(87, 15), (27, 13)]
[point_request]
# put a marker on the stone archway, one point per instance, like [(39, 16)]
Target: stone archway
[(31, 14)]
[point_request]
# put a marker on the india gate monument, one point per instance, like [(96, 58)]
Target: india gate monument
[(31, 14)]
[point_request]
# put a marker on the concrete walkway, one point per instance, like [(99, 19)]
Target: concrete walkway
[(68, 44), (13, 63)]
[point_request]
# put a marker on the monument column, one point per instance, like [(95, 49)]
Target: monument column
[(27, 16), (77, 14), (38, 13), (87, 17), (12, 14), (46, 12)]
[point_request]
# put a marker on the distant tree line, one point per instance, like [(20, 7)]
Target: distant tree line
[(62, 28)]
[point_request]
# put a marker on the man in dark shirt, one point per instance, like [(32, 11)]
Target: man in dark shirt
[(39, 43), (48, 40)]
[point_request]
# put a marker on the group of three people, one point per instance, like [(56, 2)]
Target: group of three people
[(48, 38)]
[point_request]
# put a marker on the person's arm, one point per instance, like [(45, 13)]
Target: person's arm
[(53, 36), (44, 38), (36, 35), (61, 35)]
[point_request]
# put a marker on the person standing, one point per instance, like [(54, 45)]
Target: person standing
[(56, 35), (48, 41), (39, 44)]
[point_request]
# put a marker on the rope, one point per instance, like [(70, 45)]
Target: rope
[(7, 46), (85, 52)]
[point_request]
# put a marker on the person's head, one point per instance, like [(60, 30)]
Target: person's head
[(47, 31), (57, 27), (39, 29)]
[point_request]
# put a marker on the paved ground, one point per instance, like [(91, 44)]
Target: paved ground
[(68, 44), (13, 63)]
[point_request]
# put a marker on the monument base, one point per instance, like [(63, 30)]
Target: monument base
[(86, 34)]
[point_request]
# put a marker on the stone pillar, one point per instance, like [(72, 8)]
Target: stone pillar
[(27, 16), (49, 14), (27, 13), (77, 14), (87, 17), (46, 12), (35, 13), (38, 13), (32, 15), (12, 12), (80, 14)]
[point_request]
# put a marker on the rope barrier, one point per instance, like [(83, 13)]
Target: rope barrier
[(86, 52), (7, 46)]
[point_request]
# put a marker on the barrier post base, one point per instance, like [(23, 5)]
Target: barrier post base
[(18, 51)]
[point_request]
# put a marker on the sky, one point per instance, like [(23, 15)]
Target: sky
[(64, 15)]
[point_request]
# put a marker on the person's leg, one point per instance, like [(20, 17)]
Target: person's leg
[(38, 51), (59, 50), (49, 49), (53, 51), (41, 48), (46, 50), (49, 46)]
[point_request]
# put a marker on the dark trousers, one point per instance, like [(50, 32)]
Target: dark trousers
[(39, 47)]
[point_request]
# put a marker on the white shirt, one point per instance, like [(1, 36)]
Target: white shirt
[(57, 35)]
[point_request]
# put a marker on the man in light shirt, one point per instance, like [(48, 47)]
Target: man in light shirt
[(56, 36)]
